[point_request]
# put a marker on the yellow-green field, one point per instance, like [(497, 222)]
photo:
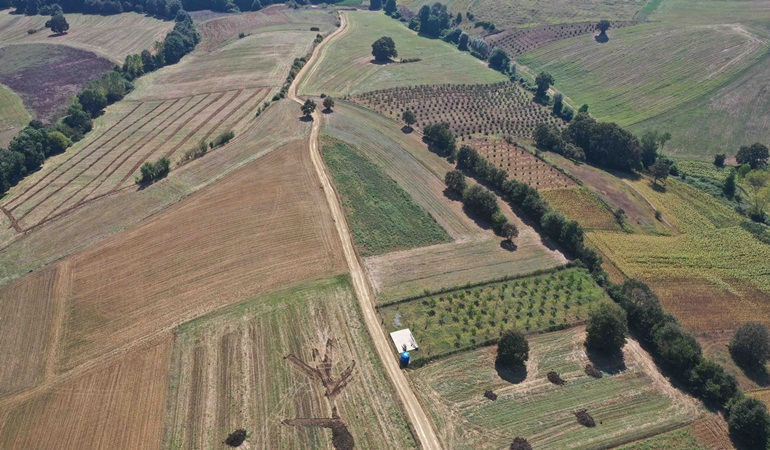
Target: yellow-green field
[(13, 116), (346, 66)]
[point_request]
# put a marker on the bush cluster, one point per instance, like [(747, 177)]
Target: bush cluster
[(151, 172)]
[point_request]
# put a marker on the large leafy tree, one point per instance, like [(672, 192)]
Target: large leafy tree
[(513, 348), (755, 155), (750, 423), (603, 26), (607, 328), (308, 107), (544, 80), (750, 346), (383, 49), (58, 24)]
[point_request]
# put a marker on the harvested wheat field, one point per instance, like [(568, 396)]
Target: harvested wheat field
[(253, 367), (263, 227), (117, 405)]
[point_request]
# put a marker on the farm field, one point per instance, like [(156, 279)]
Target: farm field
[(468, 317), (522, 165), (473, 111), (112, 37), (682, 439), (518, 41), (705, 12), (281, 236), (152, 122), (627, 403), (13, 116), (382, 217), (219, 384), (656, 68), (345, 67), (529, 12), (579, 203), (475, 255), (27, 71), (105, 407)]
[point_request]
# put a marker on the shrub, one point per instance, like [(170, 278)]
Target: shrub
[(151, 172), (584, 418), (236, 438), (224, 138)]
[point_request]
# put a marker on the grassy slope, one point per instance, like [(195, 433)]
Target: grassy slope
[(462, 319), (647, 70), (113, 37), (13, 116), (626, 406), (264, 330), (382, 216), (346, 67)]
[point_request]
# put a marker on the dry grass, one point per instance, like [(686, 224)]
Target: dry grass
[(580, 204), (215, 248), (230, 372), (113, 37), (117, 405)]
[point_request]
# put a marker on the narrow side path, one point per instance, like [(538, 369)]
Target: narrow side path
[(428, 439)]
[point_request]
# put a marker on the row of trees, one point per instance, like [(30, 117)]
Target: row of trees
[(32, 145), (483, 203)]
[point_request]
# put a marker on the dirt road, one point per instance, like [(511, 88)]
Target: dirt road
[(423, 427)]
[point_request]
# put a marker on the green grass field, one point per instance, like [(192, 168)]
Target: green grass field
[(13, 116), (346, 67), (383, 218), (648, 70), (627, 405), (469, 317)]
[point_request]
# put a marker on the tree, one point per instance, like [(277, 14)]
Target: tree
[(642, 305), (607, 328), (93, 101), (57, 143), (755, 155), (583, 108), (480, 48), (384, 48), (308, 108), (481, 201), (509, 231), (713, 384), (558, 104), (328, 103), (677, 349), (58, 24), (463, 43), (375, 5), (390, 7), (409, 118), (544, 80), (649, 141), (499, 60), (719, 159), (663, 138), (442, 137), (750, 346), (749, 422), (659, 171), (603, 26), (513, 348), (455, 180), (728, 187), (756, 182)]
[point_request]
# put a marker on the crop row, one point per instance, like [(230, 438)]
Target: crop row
[(499, 109)]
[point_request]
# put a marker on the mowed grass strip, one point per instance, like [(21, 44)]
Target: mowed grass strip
[(382, 216), (628, 403), (346, 67), (473, 316), (647, 70)]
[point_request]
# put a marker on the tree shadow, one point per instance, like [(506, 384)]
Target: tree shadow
[(326, 111), (306, 119), (381, 62), (610, 363), (511, 374), (759, 375), (508, 245), (601, 38), (658, 187), (407, 129)]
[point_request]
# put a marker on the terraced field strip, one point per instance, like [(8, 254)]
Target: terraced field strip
[(631, 400), (655, 67), (473, 110), (522, 165)]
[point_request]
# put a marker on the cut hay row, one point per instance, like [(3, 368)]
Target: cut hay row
[(518, 41), (522, 165), (501, 109), (164, 130)]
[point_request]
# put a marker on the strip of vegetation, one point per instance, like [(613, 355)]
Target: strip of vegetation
[(36, 142), (471, 317), (151, 172), (382, 217)]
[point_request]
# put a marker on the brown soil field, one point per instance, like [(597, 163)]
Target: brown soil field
[(475, 256), (113, 37), (27, 309), (46, 76), (518, 41), (220, 365), (472, 110), (188, 261), (522, 165), (117, 405)]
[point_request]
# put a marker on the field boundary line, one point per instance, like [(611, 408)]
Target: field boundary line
[(62, 289), (230, 114), (423, 427), (14, 222)]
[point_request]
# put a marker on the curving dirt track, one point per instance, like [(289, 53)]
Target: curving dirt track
[(425, 433)]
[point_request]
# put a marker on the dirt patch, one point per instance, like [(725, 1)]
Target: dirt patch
[(584, 418), (45, 76), (555, 378), (592, 371), (490, 395), (236, 438)]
